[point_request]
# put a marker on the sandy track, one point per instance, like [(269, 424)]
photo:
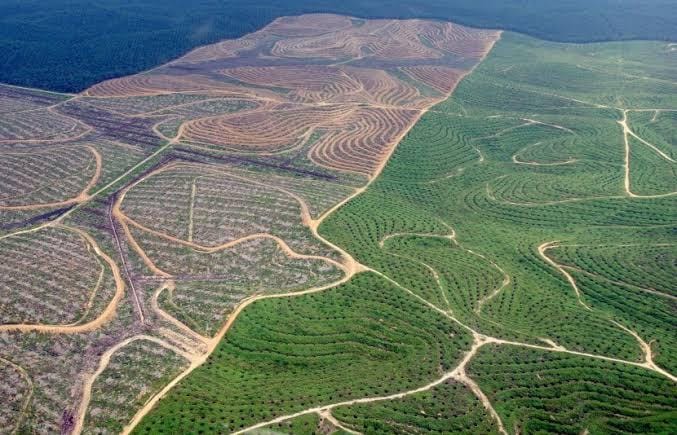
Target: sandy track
[(648, 353), (457, 374), (92, 296), (505, 283), (542, 249), (50, 141), (326, 414), (490, 195), (505, 130), (557, 126), (515, 158), (434, 273), (170, 286), (530, 121), (137, 302), (451, 237), (626, 160), (563, 162)]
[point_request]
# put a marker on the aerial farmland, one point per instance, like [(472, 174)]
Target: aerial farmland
[(337, 224)]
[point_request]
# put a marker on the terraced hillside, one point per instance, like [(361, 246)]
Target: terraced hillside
[(235, 242), (140, 217), (514, 212)]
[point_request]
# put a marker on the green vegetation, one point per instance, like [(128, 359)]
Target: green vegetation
[(70, 45), (545, 392), (655, 174), (365, 338), (307, 423), (493, 205), (657, 127), (447, 408), (650, 267), (456, 169)]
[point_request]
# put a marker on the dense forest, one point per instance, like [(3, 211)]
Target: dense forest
[(68, 45)]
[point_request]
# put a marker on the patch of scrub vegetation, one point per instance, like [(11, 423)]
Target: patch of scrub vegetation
[(365, 338), (545, 392), (16, 391), (136, 371), (50, 276)]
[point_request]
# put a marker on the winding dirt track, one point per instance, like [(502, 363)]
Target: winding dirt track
[(92, 296), (457, 374), (626, 161), (432, 270), (542, 249), (623, 284), (170, 286), (516, 160), (327, 415)]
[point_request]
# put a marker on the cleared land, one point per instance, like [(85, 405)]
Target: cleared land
[(170, 200)]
